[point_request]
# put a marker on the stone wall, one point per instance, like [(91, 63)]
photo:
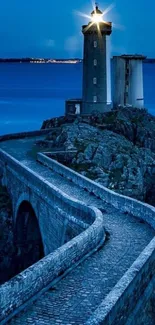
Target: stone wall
[(144, 312), (64, 157), (13, 136), (118, 306), (21, 288), (54, 214), (139, 209), (124, 301)]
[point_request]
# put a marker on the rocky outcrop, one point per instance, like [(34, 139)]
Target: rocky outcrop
[(55, 122), (116, 149), (138, 126)]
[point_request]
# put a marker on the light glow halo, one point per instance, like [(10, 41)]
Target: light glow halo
[(96, 18)]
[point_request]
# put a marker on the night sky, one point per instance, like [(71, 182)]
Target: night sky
[(48, 28)]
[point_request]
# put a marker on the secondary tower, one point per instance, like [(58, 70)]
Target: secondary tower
[(96, 65), (128, 80)]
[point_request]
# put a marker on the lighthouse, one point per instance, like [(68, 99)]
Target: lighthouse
[(96, 89), (96, 65)]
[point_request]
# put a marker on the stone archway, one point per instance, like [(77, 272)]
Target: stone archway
[(27, 238)]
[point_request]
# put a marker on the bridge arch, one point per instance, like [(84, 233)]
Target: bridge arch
[(27, 236), (24, 196)]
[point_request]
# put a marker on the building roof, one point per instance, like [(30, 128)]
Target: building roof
[(131, 56), (74, 100)]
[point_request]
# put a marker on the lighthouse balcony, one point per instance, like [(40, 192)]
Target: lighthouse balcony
[(105, 28)]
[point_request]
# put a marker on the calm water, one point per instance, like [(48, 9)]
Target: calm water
[(30, 93)]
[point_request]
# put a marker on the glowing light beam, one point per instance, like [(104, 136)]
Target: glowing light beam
[(109, 8), (98, 18)]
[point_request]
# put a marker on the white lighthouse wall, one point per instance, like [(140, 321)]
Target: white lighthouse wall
[(136, 94), (108, 70)]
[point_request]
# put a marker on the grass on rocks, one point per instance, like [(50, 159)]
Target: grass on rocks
[(35, 150)]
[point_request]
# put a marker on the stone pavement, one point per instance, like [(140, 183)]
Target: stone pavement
[(75, 297)]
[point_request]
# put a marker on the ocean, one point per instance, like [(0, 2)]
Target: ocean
[(31, 93)]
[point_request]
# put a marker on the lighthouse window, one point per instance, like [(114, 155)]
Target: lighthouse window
[(94, 81), (95, 62), (95, 43), (95, 99)]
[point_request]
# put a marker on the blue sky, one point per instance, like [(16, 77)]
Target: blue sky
[(48, 28)]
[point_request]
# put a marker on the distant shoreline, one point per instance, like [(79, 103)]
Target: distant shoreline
[(53, 61), (36, 60), (149, 61)]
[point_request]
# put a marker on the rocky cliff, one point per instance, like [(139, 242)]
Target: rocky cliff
[(116, 149)]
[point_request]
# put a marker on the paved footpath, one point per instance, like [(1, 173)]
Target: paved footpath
[(73, 300)]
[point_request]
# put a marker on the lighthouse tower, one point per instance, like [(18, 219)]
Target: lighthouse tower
[(96, 65)]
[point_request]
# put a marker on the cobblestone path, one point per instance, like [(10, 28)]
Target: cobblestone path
[(73, 300)]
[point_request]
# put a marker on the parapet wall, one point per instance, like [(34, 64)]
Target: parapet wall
[(118, 306), (123, 203), (43, 188), (21, 135), (26, 285)]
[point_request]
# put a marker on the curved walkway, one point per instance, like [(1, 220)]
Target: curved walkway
[(75, 297)]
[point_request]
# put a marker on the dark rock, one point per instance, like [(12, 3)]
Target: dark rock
[(117, 149)]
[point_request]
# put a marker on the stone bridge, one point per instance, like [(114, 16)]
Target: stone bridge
[(63, 217), (37, 205), (44, 217)]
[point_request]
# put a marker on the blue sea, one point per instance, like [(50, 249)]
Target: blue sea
[(31, 93)]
